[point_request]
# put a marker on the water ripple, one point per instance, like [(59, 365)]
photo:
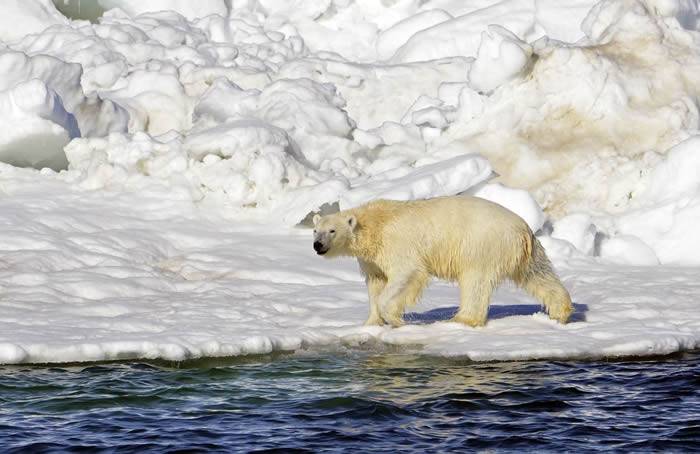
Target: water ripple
[(353, 401)]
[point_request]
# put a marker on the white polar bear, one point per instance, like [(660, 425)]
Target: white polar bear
[(474, 242)]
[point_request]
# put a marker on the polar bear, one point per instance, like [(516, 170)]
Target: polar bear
[(468, 240)]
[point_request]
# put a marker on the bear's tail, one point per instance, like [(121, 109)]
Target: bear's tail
[(540, 281)]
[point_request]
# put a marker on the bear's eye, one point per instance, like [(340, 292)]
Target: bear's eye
[(332, 231), (314, 231)]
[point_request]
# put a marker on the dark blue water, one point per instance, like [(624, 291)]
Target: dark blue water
[(353, 401)]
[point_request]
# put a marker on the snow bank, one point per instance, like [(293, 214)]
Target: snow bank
[(589, 112), (501, 57), (188, 9), (658, 226), (668, 208), (42, 106), (518, 201), (545, 114), (389, 40), (460, 36), (35, 126), (22, 17)]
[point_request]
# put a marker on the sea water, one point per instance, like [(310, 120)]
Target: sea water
[(355, 401)]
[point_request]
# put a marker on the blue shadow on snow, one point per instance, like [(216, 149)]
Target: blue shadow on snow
[(442, 314)]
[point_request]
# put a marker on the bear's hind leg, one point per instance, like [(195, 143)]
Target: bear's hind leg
[(540, 281), (547, 288), (475, 295)]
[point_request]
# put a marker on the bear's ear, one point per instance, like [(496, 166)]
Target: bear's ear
[(316, 218), (352, 222)]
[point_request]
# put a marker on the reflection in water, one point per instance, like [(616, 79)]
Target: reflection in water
[(361, 401), (408, 379)]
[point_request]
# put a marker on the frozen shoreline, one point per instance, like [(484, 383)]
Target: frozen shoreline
[(181, 282), (187, 144)]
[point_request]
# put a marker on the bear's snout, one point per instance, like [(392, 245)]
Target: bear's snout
[(318, 247)]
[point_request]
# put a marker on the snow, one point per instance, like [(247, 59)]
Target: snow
[(186, 8), (85, 277), (155, 167), (37, 126), (23, 17), (501, 57)]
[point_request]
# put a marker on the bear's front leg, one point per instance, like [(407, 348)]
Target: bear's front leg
[(403, 289), (375, 285), (411, 288), (388, 305)]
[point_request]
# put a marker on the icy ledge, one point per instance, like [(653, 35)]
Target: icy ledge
[(88, 276)]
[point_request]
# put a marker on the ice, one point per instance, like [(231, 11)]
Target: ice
[(461, 35), (447, 177), (666, 206), (627, 250), (119, 275), (36, 126), (597, 111), (185, 143), (22, 17), (518, 201), (395, 36), (579, 230), (188, 9), (677, 175), (501, 57)]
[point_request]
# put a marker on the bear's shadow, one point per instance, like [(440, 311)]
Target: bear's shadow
[(442, 314)]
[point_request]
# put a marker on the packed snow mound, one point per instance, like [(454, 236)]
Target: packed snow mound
[(24, 17), (547, 115), (418, 30), (376, 94), (43, 107), (35, 126), (516, 200), (596, 112), (667, 207), (256, 172), (389, 40), (501, 57), (461, 36), (186, 8)]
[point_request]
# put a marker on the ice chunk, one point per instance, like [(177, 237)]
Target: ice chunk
[(627, 250), (394, 37), (187, 8), (35, 126), (460, 36), (579, 230), (562, 20), (95, 116), (378, 93), (518, 201), (447, 177), (156, 102), (23, 17), (669, 228), (678, 174), (501, 57)]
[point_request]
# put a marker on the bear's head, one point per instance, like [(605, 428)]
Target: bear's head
[(333, 233)]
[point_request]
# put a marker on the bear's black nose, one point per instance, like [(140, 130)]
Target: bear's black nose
[(318, 246)]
